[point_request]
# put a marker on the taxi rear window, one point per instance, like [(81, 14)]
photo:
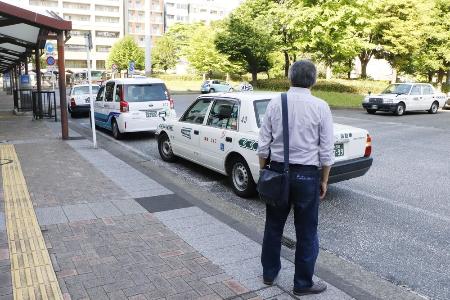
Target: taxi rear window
[(145, 92), (260, 110)]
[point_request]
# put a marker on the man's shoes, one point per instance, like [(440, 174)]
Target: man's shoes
[(317, 288), (270, 281)]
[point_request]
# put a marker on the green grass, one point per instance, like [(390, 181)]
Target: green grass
[(343, 99)]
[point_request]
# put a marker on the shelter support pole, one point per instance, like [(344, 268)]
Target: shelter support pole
[(62, 86), (25, 61), (37, 63)]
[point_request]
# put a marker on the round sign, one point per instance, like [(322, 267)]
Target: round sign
[(50, 60), (49, 47), (131, 66)]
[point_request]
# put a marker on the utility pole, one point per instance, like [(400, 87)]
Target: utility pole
[(88, 37), (148, 39)]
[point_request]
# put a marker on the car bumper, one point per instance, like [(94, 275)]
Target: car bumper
[(380, 106), (85, 108), (135, 123), (349, 169)]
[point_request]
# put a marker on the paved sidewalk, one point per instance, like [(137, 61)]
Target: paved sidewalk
[(112, 232)]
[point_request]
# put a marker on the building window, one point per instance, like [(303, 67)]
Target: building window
[(100, 65), (170, 17), (106, 8), (170, 4), (104, 19), (78, 32), (72, 17), (102, 48), (107, 34), (156, 29), (73, 63), (75, 48), (47, 3), (74, 5)]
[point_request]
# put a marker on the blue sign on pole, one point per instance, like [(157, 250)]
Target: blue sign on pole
[(49, 47), (50, 60), (131, 67)]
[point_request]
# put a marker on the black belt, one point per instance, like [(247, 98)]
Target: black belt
[(294, 166)]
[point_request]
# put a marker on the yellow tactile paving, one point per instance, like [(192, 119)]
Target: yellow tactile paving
[(32, 273)]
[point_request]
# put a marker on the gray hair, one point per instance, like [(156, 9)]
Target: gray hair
[(303, 74)]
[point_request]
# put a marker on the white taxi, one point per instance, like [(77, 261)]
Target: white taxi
[(220, 132), (132, 105), (401, 97)]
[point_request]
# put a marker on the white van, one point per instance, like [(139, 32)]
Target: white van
[(132, 105)]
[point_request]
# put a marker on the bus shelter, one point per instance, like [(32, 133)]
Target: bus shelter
[(23, 36)]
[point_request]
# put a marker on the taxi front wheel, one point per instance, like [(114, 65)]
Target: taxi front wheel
[(241, 178), (165, 148)]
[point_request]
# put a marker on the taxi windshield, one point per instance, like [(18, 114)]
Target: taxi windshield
[(398, 89), (260, 110)]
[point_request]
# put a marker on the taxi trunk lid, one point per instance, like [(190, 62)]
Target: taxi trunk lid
[(350, 142)]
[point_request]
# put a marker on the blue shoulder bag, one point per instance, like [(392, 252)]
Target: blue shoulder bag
[(273, 186)]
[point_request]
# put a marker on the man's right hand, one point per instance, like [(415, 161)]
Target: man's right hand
[(323, 189)]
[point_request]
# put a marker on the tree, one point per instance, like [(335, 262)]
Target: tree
[(124, 51), (164, 54), (246, 39), (202, 54), (402, 25), (328, 31), (434, 55), (181, 33)]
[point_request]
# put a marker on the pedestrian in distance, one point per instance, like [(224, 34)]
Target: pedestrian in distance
[(311, 142)]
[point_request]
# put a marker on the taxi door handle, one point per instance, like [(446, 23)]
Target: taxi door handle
[(196, 132), (228, 139)]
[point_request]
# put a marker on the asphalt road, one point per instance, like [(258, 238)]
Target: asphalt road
[(394, 221)]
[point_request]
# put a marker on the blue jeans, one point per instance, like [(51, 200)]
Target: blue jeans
[(304, 197)]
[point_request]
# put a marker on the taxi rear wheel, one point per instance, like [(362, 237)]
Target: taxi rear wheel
[(241, 178), (115, 131), (434, 108), (165, 148)]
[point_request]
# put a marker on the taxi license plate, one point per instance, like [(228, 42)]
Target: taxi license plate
[(150, 114), (338, 150), (374, 106)]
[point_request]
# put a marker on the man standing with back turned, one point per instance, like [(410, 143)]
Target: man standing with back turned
[(311, 146)]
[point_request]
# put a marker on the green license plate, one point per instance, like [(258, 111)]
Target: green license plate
[(338, 150)]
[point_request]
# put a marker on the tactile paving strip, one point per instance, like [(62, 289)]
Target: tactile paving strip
[(32, 272)]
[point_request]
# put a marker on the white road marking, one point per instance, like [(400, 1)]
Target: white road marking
[(398, 204)]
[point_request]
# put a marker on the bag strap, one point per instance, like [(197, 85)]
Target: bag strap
[(284, 113)]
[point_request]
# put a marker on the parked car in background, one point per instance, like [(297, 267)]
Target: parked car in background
[(79, 99), (220, 132), (213, 86), (132, 105), (401, 97)]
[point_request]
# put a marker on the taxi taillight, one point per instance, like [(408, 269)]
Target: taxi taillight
[(368, 151), (124, 106)]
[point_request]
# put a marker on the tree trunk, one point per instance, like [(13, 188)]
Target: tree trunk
[(430, 76), (349, 73), (448, 76), (286, 64), (228, 77), (254, 77), (440, 76), (328, 73), (394, 75), (204, 76)]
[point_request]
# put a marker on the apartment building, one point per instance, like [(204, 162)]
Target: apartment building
[(103, 18), (144, 17), (191, 11)]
